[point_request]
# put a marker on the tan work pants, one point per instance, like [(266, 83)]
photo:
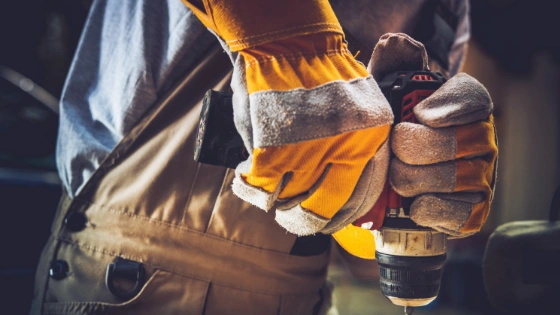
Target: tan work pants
[(204, 251)]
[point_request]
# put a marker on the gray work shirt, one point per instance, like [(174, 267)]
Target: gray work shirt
[(132, 52)]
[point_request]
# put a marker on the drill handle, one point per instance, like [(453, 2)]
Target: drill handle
[(404, 90)]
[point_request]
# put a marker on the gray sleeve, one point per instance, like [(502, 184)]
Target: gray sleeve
[(130, 53), (458, 51)]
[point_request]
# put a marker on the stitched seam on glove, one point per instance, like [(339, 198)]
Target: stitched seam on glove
[(332, 108), (341, 131), (243, 24), (326, 86), (300, 62), (296, 56), (252, 41)]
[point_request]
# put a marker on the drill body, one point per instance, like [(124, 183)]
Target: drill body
[(410, 257)]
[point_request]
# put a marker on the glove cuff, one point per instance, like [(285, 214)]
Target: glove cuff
[(305, 61), (247, 23), (300, 221)]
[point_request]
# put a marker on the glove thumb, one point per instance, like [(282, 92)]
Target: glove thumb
[(397, 52)]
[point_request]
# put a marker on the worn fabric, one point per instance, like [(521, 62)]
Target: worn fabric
[(98, 106), (222, 256), (397, 52), (244, 24), (313, 118), (131, 54), (448, 160)]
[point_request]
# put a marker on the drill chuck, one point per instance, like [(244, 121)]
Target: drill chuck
[(411, 263)]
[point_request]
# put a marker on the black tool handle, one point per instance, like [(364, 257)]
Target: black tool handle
[(217, 141)]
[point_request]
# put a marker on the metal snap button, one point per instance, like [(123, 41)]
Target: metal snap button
[(75, 221), (59, 269)]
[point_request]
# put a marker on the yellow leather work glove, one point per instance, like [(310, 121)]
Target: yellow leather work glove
[(311, 117), (447, 161)]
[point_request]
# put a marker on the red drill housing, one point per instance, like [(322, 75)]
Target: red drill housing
[(404, 90)]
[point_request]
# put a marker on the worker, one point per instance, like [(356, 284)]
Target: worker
[(144, 229)]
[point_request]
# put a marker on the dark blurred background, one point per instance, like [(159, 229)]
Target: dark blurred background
[(514, 52), (37, 41)]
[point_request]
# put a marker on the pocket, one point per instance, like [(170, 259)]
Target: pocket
[(225, 300), (83, 290), (238, 221), (163, 293)]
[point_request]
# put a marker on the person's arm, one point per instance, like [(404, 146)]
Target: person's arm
[(312, 118)]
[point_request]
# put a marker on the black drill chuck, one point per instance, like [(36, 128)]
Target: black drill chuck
[(410, 277)]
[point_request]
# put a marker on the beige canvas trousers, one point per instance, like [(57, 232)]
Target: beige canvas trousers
[(203, 250)]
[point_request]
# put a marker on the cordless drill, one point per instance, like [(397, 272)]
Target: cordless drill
[(410, 257)]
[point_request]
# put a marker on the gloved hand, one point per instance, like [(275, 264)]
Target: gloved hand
[(313, 120), (448, 160)]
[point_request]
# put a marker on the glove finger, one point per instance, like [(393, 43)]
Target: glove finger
[(473, 175), (417, 144), (365, 194), (257, 196), (328, 196), (308, 160), (397, 52), (461, 100), (456, 214), (268, 174), (335, 189)]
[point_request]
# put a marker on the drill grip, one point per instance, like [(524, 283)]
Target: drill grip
[(404, 90)]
